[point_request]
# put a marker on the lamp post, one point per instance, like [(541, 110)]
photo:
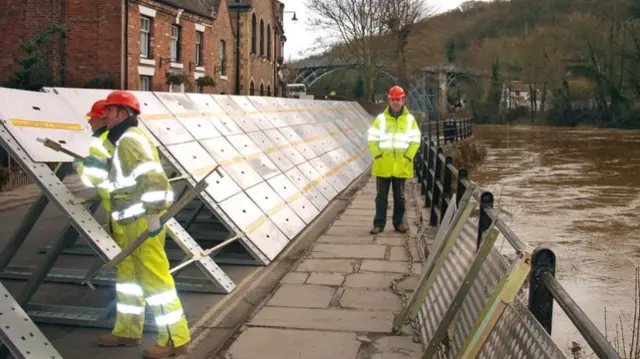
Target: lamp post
[(280, 59), (238, 8)]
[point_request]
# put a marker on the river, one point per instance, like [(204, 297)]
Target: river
[(577, 192)]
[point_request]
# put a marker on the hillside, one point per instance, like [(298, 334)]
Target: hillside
[(577, 58)]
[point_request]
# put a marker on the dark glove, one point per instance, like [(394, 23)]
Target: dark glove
[(93, 161)]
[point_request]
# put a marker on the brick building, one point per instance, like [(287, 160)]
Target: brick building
[(139, 44)]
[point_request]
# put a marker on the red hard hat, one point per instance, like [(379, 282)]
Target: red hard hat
[(396, 92), (97, 110), (123, 98)]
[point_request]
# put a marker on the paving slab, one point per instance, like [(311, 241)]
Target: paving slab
[(302, 295), (349, 222), (346, 239), (295, 278), (361, 298), (349, 231), (293, 344), (371, 251), (370, 280), (329, 265), (399, 253), (326, 279), (369, 265), (390, 241), (396, 347), (324, 319)]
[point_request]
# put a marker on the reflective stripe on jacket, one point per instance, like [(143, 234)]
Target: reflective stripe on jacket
[(137, 182), (394, 143)]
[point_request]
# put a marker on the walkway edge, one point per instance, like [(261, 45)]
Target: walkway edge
[(249, 293)]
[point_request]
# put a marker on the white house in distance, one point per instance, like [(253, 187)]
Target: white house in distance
[(517, 94)]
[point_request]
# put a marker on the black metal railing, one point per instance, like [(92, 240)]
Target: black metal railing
[(439, 180)]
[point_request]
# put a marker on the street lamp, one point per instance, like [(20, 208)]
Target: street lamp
[(238, 8), (294, 18)]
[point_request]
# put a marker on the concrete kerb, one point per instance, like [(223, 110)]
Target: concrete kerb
[(256, 289)]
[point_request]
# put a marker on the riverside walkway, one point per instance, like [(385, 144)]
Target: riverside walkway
[(339, 299)]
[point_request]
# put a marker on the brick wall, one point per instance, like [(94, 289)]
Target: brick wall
[(261, 64), (20, 21), (93, 41), (164, 17)]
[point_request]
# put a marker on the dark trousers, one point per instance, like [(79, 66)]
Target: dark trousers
[(382, 202)]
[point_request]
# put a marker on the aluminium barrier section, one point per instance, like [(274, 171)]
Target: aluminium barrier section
[(196, 132), (27, 116), (283, 161), (466, 304), (19, 335)]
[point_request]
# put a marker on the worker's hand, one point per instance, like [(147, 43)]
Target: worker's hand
[(154, 224), (93, 161), (76, 164)]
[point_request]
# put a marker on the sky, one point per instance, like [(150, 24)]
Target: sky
[(300, 37)]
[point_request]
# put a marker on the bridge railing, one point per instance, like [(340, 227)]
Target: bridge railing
[(470, 300)]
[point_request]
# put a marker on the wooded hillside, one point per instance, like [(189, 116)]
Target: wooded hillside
[(579, 59)]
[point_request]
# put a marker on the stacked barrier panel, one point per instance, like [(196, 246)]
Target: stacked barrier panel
[(290, 145)]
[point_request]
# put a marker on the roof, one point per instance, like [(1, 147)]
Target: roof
[(204, 8)]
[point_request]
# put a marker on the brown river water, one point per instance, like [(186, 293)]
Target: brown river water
[(577, 192)]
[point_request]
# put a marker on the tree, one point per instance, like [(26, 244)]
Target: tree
[(30, 76), (358, 27), (400, 16)]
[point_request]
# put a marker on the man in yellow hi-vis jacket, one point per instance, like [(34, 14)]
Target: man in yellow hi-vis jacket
[(90, 173), (394, 140), (140, 193)]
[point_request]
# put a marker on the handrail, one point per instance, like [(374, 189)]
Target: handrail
[(589, 331), (436, 172)]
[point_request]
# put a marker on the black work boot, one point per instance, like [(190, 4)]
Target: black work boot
[(403, 228), (375, 230)]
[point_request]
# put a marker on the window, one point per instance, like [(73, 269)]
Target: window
[(269, 42), (253, 33), (175, 43), (261, 37), (145, 83), (199, 40), (223, 58), (269, 90), (252, 89), (145, 37), (261, 89)]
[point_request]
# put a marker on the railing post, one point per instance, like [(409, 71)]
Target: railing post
[(540, 299), (424, 168), (446, 186), (484, 222), (470, 128), (433, 220), (429, 176), (463, 174), (438, 133)]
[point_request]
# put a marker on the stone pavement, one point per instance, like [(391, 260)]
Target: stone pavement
[(338, 302)]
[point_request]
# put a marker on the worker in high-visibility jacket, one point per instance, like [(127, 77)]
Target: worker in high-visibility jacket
[(92, 175), (140, 194), (394, 140)]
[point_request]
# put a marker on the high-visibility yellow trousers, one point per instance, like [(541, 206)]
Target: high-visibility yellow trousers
[(144, 278)]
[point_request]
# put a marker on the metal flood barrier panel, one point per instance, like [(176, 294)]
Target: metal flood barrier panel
[(466, 303), (283, 160)]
